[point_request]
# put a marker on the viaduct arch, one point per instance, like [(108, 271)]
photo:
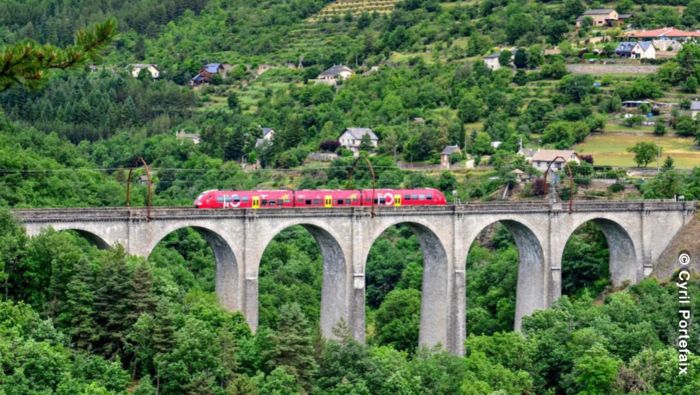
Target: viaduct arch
[(637, 233)]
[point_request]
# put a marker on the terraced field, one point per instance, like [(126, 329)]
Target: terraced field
[(355, 7)]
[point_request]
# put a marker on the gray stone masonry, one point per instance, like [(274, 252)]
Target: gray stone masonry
[(637, 233)]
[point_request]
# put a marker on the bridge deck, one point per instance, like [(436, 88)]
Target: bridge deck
[(127, 213)]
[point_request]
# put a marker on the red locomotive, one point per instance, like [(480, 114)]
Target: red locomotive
[(320, 198)]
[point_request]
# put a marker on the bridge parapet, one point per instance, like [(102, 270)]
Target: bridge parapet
[(136, 214)]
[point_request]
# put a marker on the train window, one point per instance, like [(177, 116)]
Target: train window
[(264, 202), (236, 199), (406, 197), (421, 197), (317, 201), (348, 201), (287, 201), (382, 201), (273, 203), (429, 197), (375, 201), (414, 197), (220, 199), (245, 199), (340, 201), (279, 202), (308, 201), (369, 200)]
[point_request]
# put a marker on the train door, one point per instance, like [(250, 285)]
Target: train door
[(397, 200), (328, 202), (256, 201)]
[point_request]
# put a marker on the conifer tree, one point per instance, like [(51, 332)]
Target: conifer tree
[(112, 303), (141, 298), (163, 329), (27, 63), (293, 344), (77, 315)]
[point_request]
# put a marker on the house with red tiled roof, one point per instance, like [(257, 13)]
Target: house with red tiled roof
[(665, 33)]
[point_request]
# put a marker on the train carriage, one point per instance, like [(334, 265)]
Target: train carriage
[(246, 199), (327, 198), (319, 198), (403, 197)]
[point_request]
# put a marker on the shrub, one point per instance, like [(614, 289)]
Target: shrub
[(329, 145), (616, 187)]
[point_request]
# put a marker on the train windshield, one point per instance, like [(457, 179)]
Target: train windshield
[(198, 201)]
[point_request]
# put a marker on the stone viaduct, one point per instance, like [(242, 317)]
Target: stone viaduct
[(637, 233)]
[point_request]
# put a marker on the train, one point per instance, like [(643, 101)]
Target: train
[(318, 198)]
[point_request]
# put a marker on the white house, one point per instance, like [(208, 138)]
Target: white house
[(541, 159), (666, 44), (636, 50), (193, 137), (334, 74), (447, 153), (267, 136), (352, 138), (151, 68), (694, 108), (492, 61)]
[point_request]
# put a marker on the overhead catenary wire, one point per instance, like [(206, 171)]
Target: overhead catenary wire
[(186, 170)]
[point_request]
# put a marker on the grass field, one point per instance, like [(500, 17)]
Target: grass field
[(611, 149), (617, 127)]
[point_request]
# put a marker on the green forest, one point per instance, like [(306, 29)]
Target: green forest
[(74, 120)]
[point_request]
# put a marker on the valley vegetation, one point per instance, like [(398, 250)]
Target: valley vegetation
[(78, 320)]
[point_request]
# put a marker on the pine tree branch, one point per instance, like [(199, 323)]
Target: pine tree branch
[(27, 62)]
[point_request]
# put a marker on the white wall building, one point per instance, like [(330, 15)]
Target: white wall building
[(151, 68), (352, 138), (541, 159)]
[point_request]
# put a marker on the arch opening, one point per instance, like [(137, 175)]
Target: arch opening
[(406, 287), (600, 252), (91, 237), (201, 259), (304, 264), (505, 277)]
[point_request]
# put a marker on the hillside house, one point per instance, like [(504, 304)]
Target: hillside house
[(694, 108), (334, 74), (600, 17), (447, 153), (193, 137), (636, 50), (666, 33), (632, 104), (268, 135), (262, 69), (520, 176), (541, 159), (352, 139), (208, 71), (667, 45), (492, 61), (151, 68)]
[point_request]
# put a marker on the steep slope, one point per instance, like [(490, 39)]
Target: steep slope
[(686, 240), (354, 7)]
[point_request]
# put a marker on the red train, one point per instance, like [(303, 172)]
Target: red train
[(326, 198)]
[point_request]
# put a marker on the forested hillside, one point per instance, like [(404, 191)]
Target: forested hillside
[(78, 320)]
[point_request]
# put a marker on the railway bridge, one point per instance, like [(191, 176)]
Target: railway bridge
[(636, 231)]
